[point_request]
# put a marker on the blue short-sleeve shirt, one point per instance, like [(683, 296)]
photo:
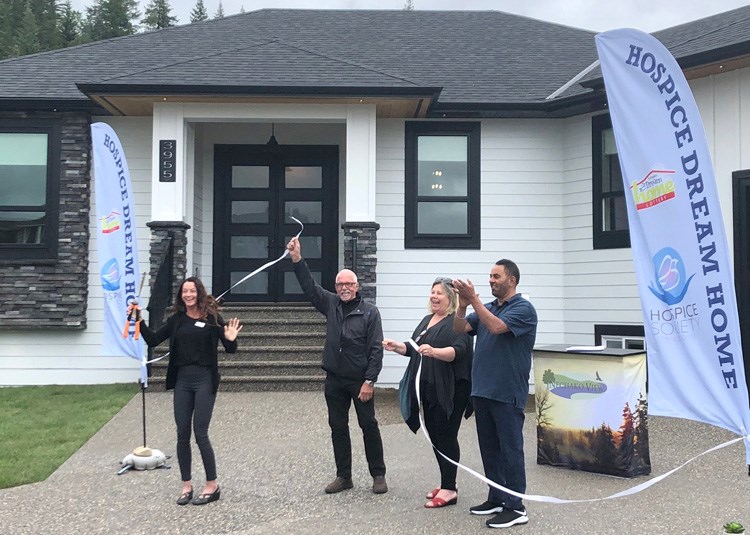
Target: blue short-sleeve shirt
[(502, 362)]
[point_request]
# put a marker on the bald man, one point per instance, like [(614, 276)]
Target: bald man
[(352, 359)]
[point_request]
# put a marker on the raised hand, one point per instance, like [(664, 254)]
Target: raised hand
[(232, 329), (295, 250)]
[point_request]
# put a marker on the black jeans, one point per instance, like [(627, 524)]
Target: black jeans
[(194, 403), (340, 392), (500, 433), (443, 432)]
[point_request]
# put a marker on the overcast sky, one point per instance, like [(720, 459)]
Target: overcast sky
[(597, 15)]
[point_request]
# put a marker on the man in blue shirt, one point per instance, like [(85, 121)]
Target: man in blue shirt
[(506, 330)]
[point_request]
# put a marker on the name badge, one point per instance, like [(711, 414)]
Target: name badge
[(200, 324)]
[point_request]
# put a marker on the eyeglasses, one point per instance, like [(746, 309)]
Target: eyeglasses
[(346, 284), (444, 280)]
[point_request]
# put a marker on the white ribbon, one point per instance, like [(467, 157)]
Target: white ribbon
[(552, 499), (243, 279)]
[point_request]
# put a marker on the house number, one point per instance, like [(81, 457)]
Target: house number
[(167, 160)]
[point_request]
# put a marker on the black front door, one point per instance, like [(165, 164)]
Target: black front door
[(256, 190), (741, 223)]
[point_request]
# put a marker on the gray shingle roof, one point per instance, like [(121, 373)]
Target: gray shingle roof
[(478, 58)]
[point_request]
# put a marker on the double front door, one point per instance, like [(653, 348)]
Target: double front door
[(256, 190)]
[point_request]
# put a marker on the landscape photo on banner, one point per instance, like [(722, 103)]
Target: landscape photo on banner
[(679, 246), (119, 272)]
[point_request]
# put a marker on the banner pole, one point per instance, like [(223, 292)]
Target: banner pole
[(143, 405)]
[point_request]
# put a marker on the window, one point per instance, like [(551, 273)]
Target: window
[(610, 210), (29, 189), (442, 185), (620, 336)]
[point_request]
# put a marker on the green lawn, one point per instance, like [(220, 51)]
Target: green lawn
[(41, 426)]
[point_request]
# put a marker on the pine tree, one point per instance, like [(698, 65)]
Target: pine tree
[(157, 15), (110, 18), (409, 5), (26, 38), (219, 11), (7, 35), (69, 25), (627, 438), (199, 12), (45, 12)]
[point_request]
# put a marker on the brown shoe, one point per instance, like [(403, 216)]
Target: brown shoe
[(339, 484), (379, 486)]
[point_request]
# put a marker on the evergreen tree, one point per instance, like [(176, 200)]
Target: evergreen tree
[(45, 12), (7, 35), (157, 15), (219, 11), (26, 38), (603, 446), (199, 12), (409, 5), (110, 18), (627, 438), (641, 429), (242, 8), (69, 25)]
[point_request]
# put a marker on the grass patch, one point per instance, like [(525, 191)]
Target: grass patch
[(41, 426)]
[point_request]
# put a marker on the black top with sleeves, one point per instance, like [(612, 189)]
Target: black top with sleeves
[(190, 342), (438, 377)]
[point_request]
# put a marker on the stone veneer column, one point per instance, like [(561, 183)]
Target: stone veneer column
[(362, 236), (160, 233)]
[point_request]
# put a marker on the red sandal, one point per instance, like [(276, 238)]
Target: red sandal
[(436, 502), (432, 493)]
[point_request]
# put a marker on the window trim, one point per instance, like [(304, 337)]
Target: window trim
[(472, 239), (609, 239), (49, 248), (622, 331)]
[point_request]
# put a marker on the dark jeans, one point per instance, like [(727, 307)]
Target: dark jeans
[(194, 403), (500, 433), (340, 392), (443, 432)]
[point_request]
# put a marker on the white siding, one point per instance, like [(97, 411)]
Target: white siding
[(522, 219)]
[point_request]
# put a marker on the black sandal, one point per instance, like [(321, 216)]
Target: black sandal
[(185, 498), (203, 499)]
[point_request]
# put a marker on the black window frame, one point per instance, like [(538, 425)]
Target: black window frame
[(412, 238), (622, 331), (603, 239), (48, 249)]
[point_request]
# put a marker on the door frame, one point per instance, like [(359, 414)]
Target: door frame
[(328, 263), (741, 237)]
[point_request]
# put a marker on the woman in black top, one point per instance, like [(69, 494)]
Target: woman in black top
[(445, 384), (194, 331)]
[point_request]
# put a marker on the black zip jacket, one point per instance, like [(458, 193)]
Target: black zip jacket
[(354, 344)]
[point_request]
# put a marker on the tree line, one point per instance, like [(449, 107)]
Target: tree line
[(31, 26)]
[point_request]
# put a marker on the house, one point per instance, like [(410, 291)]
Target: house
[(413, 144)]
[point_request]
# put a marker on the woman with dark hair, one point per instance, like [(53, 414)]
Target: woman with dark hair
[(194, 331), (445, 384)]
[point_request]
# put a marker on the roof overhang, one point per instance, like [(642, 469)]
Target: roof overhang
[(410, 102)]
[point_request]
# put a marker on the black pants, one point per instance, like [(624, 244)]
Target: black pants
[(443, 431), (194, 403), (500, 433), (340, 392)]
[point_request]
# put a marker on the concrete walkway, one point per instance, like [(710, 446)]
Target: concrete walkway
[(274, 458)]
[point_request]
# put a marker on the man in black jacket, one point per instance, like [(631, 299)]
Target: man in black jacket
[(352, 359)]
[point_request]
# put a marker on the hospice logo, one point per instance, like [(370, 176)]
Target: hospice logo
[(671, 282), (110, 222), (566, 386), (670, 286), (110, 275), (655, 188)]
